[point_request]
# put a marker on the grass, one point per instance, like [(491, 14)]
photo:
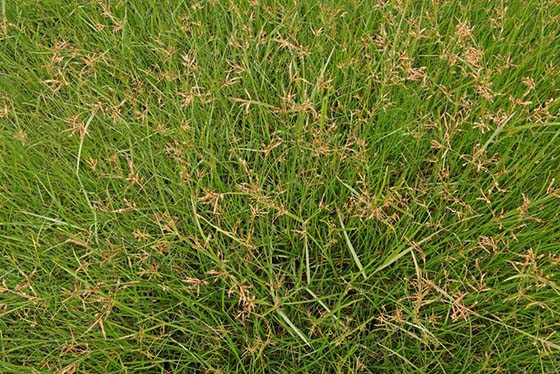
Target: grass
[(261, 186)]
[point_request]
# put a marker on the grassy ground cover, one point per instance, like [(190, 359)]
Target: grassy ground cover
[(279, 186)]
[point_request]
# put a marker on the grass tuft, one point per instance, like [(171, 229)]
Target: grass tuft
[(257, 186)]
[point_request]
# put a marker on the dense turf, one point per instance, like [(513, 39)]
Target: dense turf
[(263, 186)]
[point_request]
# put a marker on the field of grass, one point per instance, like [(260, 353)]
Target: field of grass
[(260, 186)]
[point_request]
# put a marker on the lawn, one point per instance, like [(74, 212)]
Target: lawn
[(258, 186)]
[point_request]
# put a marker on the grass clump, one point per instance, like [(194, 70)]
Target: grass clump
[(260, 186)]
